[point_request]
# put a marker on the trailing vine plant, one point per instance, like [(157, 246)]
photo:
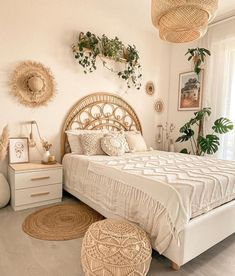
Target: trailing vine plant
[(202, 143), (198, 55), (87, 59), (132, 72), (91, 47)]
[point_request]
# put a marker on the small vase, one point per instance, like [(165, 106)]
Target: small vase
[(166, 145), (45, 156)]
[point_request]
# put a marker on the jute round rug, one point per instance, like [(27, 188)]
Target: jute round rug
[(60, 222)]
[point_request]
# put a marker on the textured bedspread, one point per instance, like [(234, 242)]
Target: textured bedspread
[(160, 191)]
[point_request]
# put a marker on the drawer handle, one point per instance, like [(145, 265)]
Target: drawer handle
[(40, 194), (40, 178)]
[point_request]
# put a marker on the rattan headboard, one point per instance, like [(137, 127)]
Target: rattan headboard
[(97, 111)]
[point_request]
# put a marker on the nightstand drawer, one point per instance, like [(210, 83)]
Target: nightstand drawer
[(38, 194), (38, 178)]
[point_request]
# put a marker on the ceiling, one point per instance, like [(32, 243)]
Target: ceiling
[(226, 9), (137, 14)]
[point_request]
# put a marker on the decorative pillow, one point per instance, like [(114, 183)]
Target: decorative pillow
[(121, 137), (135, 141), (74, 143), (91, 143), (113, 145), (74, 138)]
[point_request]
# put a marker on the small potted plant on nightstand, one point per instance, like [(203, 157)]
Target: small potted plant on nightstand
[(46, 155)]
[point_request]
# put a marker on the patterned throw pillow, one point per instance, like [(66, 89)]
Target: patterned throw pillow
[(91, 143), (135, 141), (121, 136), (113, 145), (74, 138)]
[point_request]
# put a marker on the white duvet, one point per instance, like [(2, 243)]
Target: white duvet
[(160, 191)]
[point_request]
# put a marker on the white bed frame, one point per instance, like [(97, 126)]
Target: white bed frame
[(200, 233)]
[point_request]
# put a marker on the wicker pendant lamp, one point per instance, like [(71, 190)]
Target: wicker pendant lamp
[(182, 20)]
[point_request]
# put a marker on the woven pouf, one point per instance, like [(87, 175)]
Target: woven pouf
[(115, 248)]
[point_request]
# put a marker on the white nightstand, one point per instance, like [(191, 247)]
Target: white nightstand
[(34, 184)]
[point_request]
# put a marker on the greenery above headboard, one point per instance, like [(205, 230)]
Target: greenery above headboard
[(90, 46)]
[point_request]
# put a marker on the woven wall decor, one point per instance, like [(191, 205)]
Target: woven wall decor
[(159, 106), (182, 21), (32, 84), (149, 88)]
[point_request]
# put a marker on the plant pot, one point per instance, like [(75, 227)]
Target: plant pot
[(171, 146), (196, 58)]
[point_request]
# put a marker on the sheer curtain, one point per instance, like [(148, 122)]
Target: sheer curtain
[(219, 88)]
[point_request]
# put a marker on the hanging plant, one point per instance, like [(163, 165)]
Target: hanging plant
[(112, 48), (133, 70), (90, 47), (86, 51), (198, 55)]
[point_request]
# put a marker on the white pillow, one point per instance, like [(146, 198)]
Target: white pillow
[(74, 143), (113, 145), (74, 138), (91, 143), (135, 141)]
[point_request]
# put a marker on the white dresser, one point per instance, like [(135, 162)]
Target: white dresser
[(34, 184)]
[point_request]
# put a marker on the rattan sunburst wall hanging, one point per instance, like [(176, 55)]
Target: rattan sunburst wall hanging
[(32, 84)]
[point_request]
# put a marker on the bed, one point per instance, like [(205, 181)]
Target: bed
[(185, 203)]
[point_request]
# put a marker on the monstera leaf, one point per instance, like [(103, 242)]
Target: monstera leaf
[(209, 144), (222, 125), (201, 114), (185, 151), (188, 133)]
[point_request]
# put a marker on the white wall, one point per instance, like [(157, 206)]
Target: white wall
[(44, 31)]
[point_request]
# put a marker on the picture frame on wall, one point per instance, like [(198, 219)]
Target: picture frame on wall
[(190, 91), (18, 150)]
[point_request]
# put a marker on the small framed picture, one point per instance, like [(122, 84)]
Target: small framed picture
[(190, 91), (18, 150)]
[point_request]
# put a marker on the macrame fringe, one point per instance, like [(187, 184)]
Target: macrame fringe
[(128, 194)]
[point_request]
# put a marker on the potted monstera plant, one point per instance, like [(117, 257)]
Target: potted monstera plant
[(203, 143)]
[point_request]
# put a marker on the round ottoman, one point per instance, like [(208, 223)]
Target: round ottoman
[(115, 248), (4, 191)]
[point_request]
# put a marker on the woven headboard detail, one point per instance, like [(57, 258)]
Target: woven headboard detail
[(99, 111)]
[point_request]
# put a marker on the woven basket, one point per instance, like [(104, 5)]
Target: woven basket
[(182, 21)]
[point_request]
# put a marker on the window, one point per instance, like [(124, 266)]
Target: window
[(220, 91)]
